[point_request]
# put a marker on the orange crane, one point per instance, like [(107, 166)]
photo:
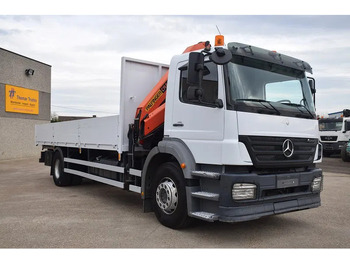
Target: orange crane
[(150, 113)]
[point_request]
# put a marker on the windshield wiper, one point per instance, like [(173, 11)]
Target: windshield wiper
[(250, 99), (261, 101), (298, 106)]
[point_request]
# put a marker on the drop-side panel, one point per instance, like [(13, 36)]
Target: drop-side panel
[(93, 133), (138, 78), (109, 133)]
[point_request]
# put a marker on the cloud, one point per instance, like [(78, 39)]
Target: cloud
[(85, 51)]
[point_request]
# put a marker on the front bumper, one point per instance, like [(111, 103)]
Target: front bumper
[(273, 196), (335, 147), (246, 213)]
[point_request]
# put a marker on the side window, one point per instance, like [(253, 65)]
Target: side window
[(347, 125), (209, 85)]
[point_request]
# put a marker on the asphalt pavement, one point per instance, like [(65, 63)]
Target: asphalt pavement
[(34, 213)]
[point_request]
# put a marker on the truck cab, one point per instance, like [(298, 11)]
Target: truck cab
[(258, 99), (248, 130), (334, 132)]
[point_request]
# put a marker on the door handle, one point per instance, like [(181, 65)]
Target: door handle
[(178, 124)]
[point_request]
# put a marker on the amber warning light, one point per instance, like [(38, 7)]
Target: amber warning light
[(219, 40)]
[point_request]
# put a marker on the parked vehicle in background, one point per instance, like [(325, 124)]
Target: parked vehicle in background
[(345, 152), (334, 132)]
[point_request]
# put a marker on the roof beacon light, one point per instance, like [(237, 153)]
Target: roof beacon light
[(219, 40)]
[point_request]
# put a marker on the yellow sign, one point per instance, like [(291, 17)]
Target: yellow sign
[(21, 100)]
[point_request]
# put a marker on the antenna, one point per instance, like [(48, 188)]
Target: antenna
[(218, 29)]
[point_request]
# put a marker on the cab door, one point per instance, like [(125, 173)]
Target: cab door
[(200, 123)]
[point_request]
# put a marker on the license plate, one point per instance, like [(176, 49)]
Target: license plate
[(282, 183)]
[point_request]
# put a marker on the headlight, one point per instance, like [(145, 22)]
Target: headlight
[(241, 191), (317, 185)]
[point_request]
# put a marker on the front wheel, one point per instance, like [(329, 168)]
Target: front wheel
[(169, 196), (344, 154), (60, 178)]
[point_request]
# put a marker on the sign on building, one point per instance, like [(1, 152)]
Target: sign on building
[(21, 100)]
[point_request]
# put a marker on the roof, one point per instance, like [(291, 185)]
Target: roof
[(24, 56), (335, 113), (268, 56)]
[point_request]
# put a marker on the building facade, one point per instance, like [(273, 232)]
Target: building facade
[(25, 100)]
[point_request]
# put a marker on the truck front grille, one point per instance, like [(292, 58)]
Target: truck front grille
[(284, 191), (267, 152), (329, 138)]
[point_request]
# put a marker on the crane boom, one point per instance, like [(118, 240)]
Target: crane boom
[(150, 113)]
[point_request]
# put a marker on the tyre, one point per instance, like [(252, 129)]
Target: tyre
[(344, 155), (169, 196), (60, 178)]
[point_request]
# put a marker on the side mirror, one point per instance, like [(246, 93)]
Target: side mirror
[(194, 93), (195, 68), (312, 84), (346, 112), (221, 56)]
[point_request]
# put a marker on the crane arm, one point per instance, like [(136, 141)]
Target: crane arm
[(151, 111)]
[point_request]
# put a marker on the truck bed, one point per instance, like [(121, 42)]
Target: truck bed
[(92, 133), (138, 77)]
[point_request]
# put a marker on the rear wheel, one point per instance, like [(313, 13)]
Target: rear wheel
[(169, 196)]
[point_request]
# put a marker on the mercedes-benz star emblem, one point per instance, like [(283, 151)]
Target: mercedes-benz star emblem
[(288, 148)]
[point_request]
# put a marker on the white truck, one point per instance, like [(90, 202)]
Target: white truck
[(225, 133), (334, 132)]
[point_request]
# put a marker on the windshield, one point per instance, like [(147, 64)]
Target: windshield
[(263, 87), (330, 125)]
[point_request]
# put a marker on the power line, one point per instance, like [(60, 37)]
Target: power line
[(78, 109)]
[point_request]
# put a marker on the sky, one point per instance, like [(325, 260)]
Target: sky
[(85, 50)]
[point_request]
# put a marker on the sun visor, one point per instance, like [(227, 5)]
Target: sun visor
[(244, 50)]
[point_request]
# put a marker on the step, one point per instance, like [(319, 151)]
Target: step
[(206, 195), (207, 174), (136, 189), (205, 216)]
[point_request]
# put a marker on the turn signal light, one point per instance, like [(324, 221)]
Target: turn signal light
[(219, 40)]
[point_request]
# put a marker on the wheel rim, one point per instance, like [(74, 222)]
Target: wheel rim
[(167, 196), (57, 169)]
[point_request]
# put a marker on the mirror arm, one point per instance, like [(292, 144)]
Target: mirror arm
[(218, 102)]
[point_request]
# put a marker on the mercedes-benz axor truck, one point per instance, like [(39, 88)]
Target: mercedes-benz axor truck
[(225, 133)]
